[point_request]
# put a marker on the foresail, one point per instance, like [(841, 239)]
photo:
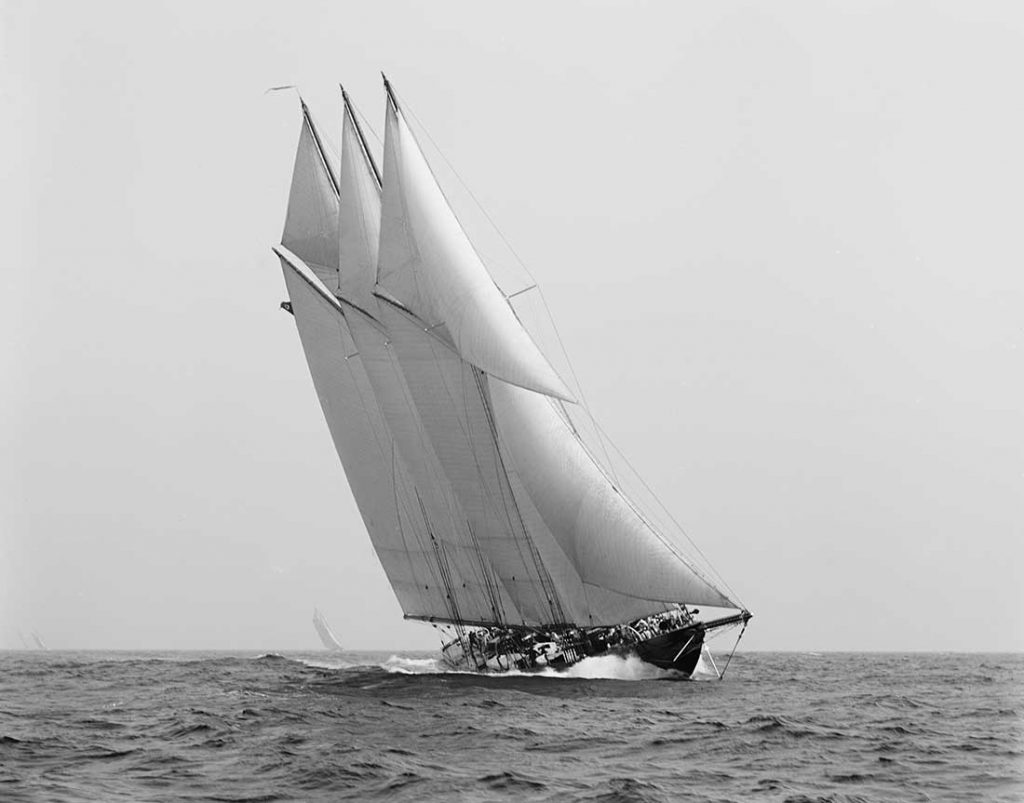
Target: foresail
[(427, 262), (424, 571), (311, 225), (608, 543)]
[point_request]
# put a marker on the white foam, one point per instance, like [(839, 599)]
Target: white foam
[(598, 667), (616, 667), (413, 666)]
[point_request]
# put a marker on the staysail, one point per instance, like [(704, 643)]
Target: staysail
[(609, 543), (480, 499)]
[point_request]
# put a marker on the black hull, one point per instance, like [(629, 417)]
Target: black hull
[(678, 650)]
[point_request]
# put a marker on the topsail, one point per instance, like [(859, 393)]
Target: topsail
[(428, 263), (482, 503)]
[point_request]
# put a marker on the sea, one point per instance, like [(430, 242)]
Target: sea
[(160, 726)]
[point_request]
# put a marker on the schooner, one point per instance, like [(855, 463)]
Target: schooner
[(491, 517)]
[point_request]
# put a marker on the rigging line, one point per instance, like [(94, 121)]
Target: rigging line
[(447, 494), (529, 273), (734, 646), (442, 562), (673, 548), (466, 429), (359, 135), (547, 583), (391, 362), (465, 426), (376, 424), (398, 512), (688, 560), (672, 518), (491, 586), (366, 120), (307, 117)]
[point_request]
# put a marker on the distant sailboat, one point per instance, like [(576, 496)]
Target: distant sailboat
[(38, 640), (489, 513), (323, 630)]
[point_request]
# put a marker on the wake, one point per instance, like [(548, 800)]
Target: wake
[(598, 667)]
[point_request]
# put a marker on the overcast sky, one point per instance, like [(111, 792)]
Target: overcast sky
[(782, 243)]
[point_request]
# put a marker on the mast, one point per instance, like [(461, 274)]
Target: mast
[(350, 110), (308, 119), (390, 93)]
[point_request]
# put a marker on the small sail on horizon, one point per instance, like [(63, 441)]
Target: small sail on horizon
[(323, 630), (485, 507)]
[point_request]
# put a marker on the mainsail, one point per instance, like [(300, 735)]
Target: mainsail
[(482, 502)]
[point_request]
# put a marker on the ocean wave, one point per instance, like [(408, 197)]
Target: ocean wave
[(398, 726)]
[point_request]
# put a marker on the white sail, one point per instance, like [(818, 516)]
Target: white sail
[(435, 572), (420, 536), (609, 544), (359, 217), (451, 399), (448, 395), (450, 481), (323, 630), (447, 520), (377, 479), (582, 603), (481, 502), (427, 263), (311, 225)]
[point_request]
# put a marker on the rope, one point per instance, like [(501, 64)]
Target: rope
[(734, 646), (636, 474)]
